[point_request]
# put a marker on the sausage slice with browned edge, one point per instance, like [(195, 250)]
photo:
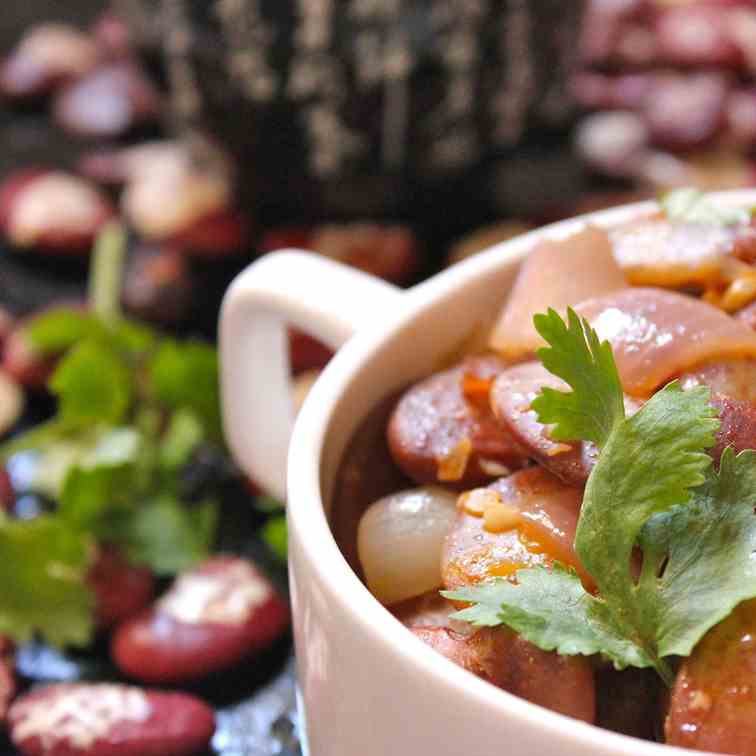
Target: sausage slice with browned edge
[(443, 431)]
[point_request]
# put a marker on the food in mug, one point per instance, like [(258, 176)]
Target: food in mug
[(81, 719), (614, 558), (214, 616)]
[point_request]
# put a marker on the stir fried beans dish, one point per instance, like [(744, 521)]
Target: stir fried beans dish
[(569, 513)]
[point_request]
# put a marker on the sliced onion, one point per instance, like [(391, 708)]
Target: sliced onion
[(400, 540), (555, 274)]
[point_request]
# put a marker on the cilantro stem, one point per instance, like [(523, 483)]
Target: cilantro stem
[(106, 272), (665, 671)]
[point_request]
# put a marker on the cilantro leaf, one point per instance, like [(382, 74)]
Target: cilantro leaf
[(185, 375), (552, 610), (169, 536), (650, 466), (596, 404), (43, 564), (275, 534), (93, 385), (705, 553), (90, 496), (59, 329), (693, 206), (182, 436)]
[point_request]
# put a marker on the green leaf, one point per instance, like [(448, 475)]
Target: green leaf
[(551, 609), (132, 337), (93, 385), (59, 329), (690, 205), (58, 449), (169, 536), (90, 496), (186, 376), (706, 550), (596, 403), (43, 564), (181, 438), (649, 465), (275, 534), (265, 503)]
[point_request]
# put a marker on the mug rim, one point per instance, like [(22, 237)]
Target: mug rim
[(306, 511)]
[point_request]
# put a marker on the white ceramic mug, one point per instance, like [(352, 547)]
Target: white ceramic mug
[(370, 688)]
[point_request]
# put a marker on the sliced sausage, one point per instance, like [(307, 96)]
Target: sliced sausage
[(511, 396), (733, 395), (713, 702), (543, 531), (561, 683), (442, 429)]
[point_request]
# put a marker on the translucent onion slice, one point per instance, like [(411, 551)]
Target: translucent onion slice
[(555, 274), (400, 539), (657, 335)]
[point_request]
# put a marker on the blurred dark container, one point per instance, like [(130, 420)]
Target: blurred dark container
[(380, 108)]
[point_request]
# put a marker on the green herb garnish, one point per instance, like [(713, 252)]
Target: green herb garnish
[(690, 205), (133, 406), (653, 487)]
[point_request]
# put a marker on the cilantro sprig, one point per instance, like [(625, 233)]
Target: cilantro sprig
[(690, 205), (133, 406), (654, 489)]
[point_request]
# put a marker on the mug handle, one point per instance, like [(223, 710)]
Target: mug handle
[(325, 299)]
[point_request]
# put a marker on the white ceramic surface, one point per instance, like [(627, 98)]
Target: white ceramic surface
[(370, 688)]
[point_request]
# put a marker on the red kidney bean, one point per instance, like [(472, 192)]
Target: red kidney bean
[(108, 719), (7, 677), (389, 252), (600, 91), (561, 683), (107, 103), (7, 496), (613, 141), (158, 284), (80, 211), (212, 617), (446, 417), (696, 35), (121, 589), (213, 236), (46, 56), (741, 116), (685, 112), (112, 35), (286, 237)]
